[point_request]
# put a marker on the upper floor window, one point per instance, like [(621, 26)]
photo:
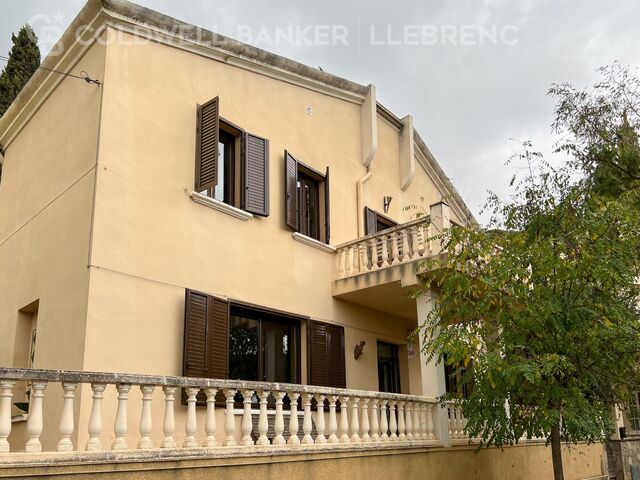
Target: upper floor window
[(232, 165), (376, 222), (306, 199)]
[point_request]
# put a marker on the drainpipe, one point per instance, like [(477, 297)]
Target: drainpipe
[(360, 200)]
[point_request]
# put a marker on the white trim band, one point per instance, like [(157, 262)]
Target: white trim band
[(220, 206), (313, 242)]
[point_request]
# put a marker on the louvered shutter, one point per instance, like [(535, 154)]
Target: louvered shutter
[(207, 136), (206, 336), (317, 334), (195, 334), (370, 221), (327, 204), (335, 354), (218, 339), (291, 191), (255, 195)]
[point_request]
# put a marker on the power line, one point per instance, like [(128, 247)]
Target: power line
[(83, 75)]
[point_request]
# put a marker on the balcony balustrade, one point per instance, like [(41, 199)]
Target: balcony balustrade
[(404, 243), (342, 418)]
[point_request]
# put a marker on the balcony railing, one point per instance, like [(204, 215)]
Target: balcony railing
[(404, 243), (342, 418)]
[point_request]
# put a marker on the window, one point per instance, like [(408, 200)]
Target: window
[(325, 353), (232, 166), (375, 222), (263, 346), (634, 412), (224, 339), (388, 368), (306, 199), (454, 379)]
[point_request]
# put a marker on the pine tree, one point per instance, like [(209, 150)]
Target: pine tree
[(24, 60)]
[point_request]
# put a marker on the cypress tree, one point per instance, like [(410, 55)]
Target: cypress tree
[(24, 60)]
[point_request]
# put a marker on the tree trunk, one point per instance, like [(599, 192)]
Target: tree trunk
[(556, 453)]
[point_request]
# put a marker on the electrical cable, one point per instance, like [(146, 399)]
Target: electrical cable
[(83, 75)]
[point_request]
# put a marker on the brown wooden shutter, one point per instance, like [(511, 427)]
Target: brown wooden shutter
[(326, 355), (207, 135), (370, 221), (255, 195), (327, 204), (206, 336), (195, 334), (291, 191), (317, 359), (335, 354)]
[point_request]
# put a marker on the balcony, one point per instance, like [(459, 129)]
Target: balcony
[(376, 270)]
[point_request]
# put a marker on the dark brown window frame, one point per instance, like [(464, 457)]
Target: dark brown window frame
[(379, 218)]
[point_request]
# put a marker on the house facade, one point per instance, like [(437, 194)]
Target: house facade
[(210, 211)]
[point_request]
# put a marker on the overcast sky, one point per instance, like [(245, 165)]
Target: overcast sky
[(473, 73)]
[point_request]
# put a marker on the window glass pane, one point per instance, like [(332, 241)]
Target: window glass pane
[(388, 368), (218, 193), (243, 348), (276, 352)]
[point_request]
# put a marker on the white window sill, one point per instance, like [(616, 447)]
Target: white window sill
[(313, 242), (220, 206)]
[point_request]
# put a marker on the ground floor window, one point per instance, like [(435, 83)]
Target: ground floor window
[(263, 346)]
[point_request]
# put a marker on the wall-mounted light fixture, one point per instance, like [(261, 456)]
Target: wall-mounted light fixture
[(386, 202), (357, 352)]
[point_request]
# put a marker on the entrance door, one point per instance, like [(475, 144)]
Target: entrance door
[(388, 368)]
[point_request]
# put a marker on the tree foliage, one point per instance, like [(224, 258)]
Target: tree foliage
[(24, 60), (541, 306)]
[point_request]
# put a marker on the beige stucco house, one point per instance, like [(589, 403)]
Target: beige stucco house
[(230, 238)]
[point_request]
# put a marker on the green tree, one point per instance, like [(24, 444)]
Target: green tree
[(541, 306), (24, 60)]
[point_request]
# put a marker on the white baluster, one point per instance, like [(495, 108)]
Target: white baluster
[(418, 232), (247, 424), (347, 261), (414, 242), (191, 425), (146, 423), (374, 254), (385, 250), (263, 421), (401, 423), (393, 426), (320, 438), (66, 419), (452, 422), (418, 428), (169, 424), (362, 258), (95, 419), (229, 420), (460, 423), (293, 419), (395, 251), (34, 420), (120, 425), (340, 262), (365, 420), (6, 395), (404, 235), (409, 421), (333, 422), (375, 423), (210, 420), (384, 421), (278, 423), (355, 422), (344, 420), (307, 426)]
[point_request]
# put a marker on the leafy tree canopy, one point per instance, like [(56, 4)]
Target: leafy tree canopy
[(541, 306), (24, 60)]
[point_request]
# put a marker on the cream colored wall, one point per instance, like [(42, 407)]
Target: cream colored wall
[(46, 198), (151, 241)]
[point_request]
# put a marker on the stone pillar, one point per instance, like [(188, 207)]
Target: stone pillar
[(432, 373)]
